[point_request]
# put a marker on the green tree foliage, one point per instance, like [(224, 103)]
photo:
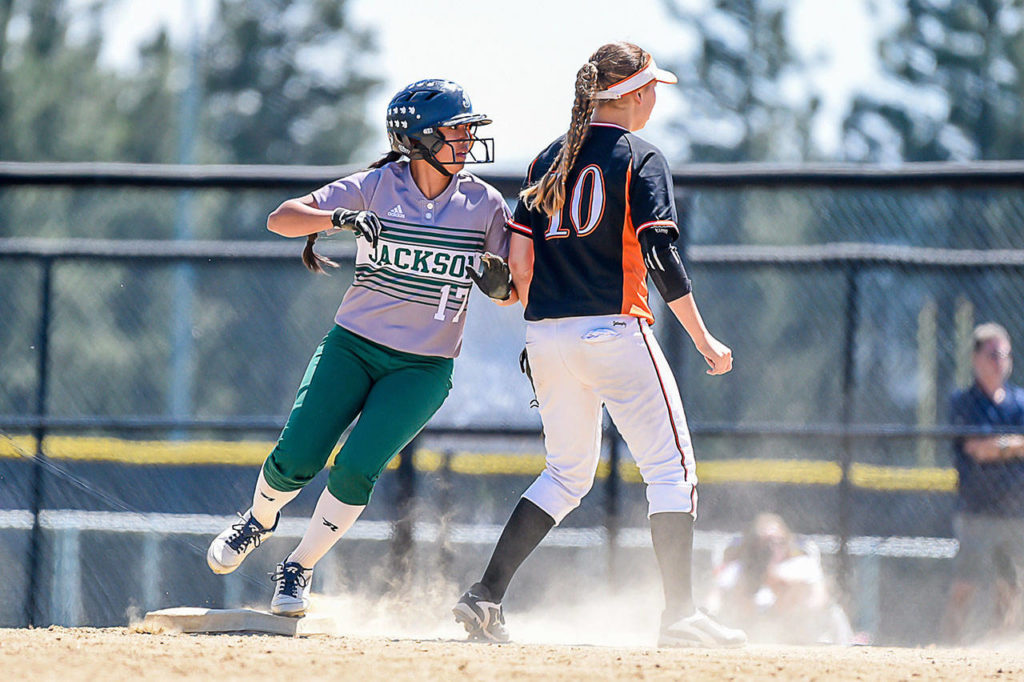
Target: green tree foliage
[(743, 88), (279, 82), (55, 100), (288, 90), (953, 90), (746, 99)]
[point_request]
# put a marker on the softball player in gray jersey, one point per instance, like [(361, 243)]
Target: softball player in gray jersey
[(597, 216), (426, 230)]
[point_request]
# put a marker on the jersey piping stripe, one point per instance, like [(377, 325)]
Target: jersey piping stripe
[(653, 223), (402, 296), (409, 292), (442, 228), (399, 294), (608, 125), (521, 229), (436, 234), (377, 279), (436, 243), (413, 280), (671, 418)]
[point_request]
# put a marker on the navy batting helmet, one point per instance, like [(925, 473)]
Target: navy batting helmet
[(419, 109)]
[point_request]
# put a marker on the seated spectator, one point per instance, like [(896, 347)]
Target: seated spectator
[(774, 586)]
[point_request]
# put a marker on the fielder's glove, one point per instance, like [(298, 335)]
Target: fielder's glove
[(365, 224), (494, 279)]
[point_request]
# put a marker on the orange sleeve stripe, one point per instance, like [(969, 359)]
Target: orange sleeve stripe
[(521, 229), (634, 272)]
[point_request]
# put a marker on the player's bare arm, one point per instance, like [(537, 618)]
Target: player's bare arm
[(520, 262), (994, 448), (716, 354), (299, 217)]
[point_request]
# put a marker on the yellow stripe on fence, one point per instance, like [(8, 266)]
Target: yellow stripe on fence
[(929, 479), (252, 453), (83, 448)]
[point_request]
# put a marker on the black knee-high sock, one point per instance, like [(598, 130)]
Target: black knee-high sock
[(672, 534), (525, 528)]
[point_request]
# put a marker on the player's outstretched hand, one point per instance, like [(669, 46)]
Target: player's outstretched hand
[(365, 224), (494, 278), (717, 355)]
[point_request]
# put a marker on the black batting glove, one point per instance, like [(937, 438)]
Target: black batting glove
[(494, 278), (365, 224)]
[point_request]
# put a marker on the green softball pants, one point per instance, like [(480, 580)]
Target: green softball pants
[(394, 393)]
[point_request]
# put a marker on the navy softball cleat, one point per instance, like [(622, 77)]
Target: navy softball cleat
[(482, 618), (229, 549), (291, 596), (700, 630)]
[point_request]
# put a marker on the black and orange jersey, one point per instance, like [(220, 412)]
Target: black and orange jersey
[(587, 258)]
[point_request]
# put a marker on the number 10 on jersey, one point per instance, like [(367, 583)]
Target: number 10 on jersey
[(446, 292)]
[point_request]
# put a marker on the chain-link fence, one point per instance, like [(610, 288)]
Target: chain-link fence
[(145, 375)]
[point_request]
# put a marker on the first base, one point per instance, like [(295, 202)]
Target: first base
[(199, 620)]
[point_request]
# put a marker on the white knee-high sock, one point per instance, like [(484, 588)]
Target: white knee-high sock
[(267, 502), (331, 519)]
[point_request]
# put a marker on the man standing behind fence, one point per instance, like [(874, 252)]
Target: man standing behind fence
[(990, 506)]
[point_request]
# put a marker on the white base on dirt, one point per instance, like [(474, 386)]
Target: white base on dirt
[(199, 620)]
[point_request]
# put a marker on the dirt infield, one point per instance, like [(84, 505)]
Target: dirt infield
[(69, 654)]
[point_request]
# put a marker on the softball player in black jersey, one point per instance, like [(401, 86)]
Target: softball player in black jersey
[(597, 217)]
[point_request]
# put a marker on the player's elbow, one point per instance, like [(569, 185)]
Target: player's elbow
[(521, 268), (275, 220)]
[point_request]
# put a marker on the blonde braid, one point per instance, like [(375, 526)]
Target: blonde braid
[(609, 64), (548, 194)]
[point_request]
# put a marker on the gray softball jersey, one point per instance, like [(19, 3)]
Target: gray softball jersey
[(411, 292)]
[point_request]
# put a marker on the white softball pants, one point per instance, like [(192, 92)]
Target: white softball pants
[(580, 363)]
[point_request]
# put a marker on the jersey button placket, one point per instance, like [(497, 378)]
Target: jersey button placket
[(430, 208)]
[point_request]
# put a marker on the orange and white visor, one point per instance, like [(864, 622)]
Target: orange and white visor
[(649, 73)]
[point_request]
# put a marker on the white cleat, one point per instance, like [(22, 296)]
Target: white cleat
[(291, 596), (700, 630), (229, 549)]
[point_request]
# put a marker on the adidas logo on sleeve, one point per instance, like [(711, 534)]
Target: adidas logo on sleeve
[(397, 212)]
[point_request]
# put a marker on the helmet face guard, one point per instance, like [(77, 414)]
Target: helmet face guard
[(430, 145), (418, 111)]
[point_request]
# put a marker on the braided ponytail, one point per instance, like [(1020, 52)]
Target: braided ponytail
[(313, 260), (548, 195), (609, 64)]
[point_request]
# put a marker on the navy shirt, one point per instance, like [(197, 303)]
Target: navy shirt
[(587, 258), (993, 488)]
